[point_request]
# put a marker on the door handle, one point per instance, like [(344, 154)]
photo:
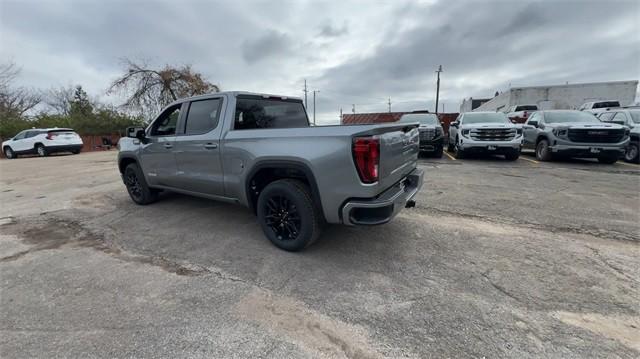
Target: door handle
[(168, 145), (211, 146)]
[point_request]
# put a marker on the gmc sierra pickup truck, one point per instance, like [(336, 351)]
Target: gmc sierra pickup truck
[(259, 151), (573, 133)]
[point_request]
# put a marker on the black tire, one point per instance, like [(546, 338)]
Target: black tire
[(457, 152), (632, 154), (449, 146), (438, 152), (41, 150), (8, 153), (542, 151), (137, 186), (75, 152), (512, 156), (288, 215), (609, 159)]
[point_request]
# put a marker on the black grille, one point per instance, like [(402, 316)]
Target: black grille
[(493, 134), (596, 135), (427, 134)]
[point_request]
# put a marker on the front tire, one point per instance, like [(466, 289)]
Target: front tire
[(609, 160), (458, 153), (288, 215), (438, 152), (8, 153), (137, 186), (632, 154), (41, 150), (543, 153), (512, 156)]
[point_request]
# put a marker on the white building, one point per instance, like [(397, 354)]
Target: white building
[(569, 96)]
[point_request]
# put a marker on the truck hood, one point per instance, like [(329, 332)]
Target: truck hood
[(584, 125), (488, 125)]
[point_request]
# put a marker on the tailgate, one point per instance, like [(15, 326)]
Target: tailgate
[(399, 148)]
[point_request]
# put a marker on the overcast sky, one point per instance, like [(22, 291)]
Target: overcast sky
[(353, 52)]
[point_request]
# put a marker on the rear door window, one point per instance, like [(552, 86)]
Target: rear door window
[(202, 116), (254, 112), (606, 117)]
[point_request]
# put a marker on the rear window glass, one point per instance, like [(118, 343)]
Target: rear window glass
[(527, 108), (257, 112), (606, 104)]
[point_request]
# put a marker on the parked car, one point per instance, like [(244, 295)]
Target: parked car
[(629, 117), (598, 106), (431, 132), (42, 141), (259, 151), (487, 132), (520, 113), (573, 133)]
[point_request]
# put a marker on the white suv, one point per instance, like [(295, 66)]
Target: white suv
[(487, 132), (42, 141)]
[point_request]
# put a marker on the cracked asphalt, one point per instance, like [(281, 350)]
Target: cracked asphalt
[(498, 259)]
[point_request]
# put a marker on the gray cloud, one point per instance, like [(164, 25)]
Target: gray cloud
[(271, 44), (329, 30)]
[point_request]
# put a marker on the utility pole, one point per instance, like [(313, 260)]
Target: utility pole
[(438, 87), (305, 94), (353, 108), (314, 106), (389, 104), (443, 107), (340, 115)]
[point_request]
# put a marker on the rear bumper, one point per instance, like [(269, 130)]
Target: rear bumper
[(385, 206), (63, 148)]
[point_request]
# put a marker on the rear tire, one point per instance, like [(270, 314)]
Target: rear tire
[(41, 150), (137, 186), (288, 215), (542, 151), (609, 160), (632, 154), (75, 152), (8, 153)]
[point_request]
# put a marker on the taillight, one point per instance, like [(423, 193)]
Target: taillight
[(50, 136), (366, 154), (525, 114)]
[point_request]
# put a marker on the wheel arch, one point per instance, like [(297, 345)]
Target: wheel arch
[(124, 162), (267, 171)]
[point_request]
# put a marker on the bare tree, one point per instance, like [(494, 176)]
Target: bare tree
[(148, 89), (14, 101), (59, 99)]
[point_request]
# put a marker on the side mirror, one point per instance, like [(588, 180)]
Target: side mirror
[(13, 139), (136, 132), (454, 124), (533, 123)]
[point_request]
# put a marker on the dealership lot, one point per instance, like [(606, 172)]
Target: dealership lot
[(498, 259)]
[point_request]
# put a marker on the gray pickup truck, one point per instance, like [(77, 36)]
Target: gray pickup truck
[(259, 151)]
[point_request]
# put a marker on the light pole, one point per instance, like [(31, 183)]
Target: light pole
[(314, 106), (438, 87)]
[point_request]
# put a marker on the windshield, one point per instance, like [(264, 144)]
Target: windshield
[(569, 116), (527, 108), (422, 118), (635, 116), (492, 117)]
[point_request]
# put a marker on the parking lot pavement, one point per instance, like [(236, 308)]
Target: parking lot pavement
[(498, 259)]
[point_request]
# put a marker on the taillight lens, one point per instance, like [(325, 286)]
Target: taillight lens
[(50, 136), (366, 154)]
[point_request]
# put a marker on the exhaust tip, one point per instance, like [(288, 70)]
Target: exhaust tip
[(410, 204)]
